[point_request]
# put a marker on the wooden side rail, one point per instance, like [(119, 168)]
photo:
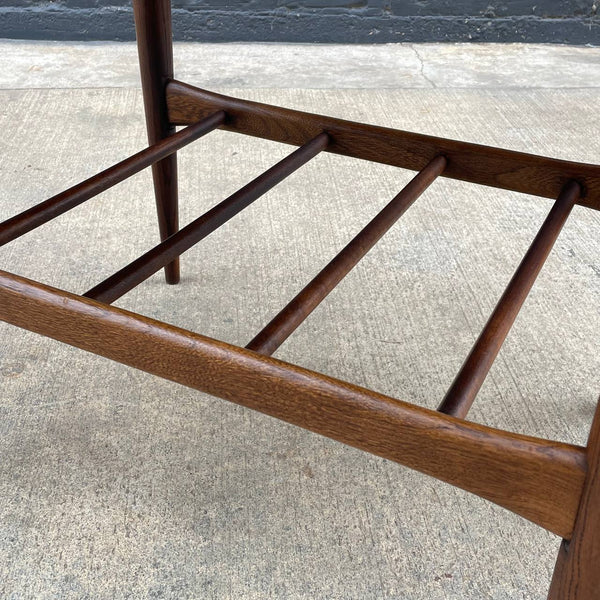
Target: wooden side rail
[(290, 317), (470, 378), (146, 265), (506, 169), (57, 205), (540, 480)]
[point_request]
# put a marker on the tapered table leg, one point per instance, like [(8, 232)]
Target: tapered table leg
[(155, 48), (577, 572)]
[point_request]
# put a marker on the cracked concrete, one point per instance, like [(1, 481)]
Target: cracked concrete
[(422, 66), (391, 66)]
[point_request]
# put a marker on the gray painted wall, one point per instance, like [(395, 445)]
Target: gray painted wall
[(359, 21)]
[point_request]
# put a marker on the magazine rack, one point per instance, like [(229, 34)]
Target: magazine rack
[(553, 484)]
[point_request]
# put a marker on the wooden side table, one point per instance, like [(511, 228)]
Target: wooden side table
[(553, 484)]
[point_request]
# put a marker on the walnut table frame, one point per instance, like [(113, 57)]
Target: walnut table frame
[(553, 484)]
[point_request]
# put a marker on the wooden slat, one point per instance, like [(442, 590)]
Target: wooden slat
[(538, 479), (485, 165), (153, 260), (57, 205), (290, 317), (462, 392)]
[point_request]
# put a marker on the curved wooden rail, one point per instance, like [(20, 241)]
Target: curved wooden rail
[(538, 479), (496, 167)]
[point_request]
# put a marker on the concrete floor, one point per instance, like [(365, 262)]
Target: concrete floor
[(115, 484)]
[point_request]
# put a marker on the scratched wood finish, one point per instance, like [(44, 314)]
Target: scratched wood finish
[(57, 205), (475, 163), (538, 479), (149, 263), (155, 52), (292, 315), (577, 573), (459, 398)]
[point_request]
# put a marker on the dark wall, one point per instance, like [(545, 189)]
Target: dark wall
[(364, 21)]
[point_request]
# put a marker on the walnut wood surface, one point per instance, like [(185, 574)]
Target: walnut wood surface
[(577, 573), (294, 313), (155, 51), (57, 205), (538, 479), (459, 398), (485, 165)]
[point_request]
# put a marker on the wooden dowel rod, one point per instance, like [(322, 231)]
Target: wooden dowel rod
[(146, 265), (541, 480), (472, 374), (290, 317), (57, 205)]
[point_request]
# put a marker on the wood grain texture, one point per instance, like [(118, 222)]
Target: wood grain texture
[(294, 313), (459, 398), (155, 51), (60, 203), (577, 572), (538, 479), (527, 173)]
